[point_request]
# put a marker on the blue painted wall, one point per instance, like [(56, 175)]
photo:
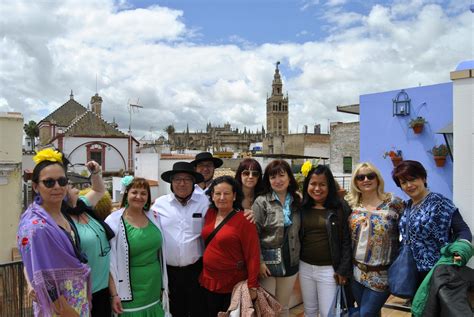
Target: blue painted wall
[(380, 131)]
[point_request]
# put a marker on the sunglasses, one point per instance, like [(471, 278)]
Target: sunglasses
[(247, 173), (50, 182), (370, 176)]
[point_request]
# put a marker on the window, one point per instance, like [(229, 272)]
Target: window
[(347, 164), (96, 155)]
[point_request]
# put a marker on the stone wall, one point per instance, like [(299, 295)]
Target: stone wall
[(345, 142)]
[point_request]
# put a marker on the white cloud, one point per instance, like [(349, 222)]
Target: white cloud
[(48, 48)]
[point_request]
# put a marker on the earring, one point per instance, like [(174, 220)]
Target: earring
[(38, 199), (126, 203), (146, 206)]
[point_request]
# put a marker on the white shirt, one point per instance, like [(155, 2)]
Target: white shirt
[(199, 190), (181, 230)]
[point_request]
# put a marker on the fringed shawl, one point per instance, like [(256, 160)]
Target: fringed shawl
[(51, 264)]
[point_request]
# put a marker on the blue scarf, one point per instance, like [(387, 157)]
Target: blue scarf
[(286, 208)]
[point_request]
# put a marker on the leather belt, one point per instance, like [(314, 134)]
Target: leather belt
[(370, 268)]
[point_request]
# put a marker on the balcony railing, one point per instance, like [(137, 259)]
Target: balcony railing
[(14, 299)]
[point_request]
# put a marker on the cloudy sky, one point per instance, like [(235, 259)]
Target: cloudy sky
[(198, 61)]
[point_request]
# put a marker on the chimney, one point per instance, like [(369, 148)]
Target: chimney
[(96, 104), (317, 129)]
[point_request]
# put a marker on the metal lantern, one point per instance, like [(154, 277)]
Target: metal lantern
[(401, 104)]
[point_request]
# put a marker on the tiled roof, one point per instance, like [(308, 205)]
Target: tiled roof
[(89, 123), (64, 115)]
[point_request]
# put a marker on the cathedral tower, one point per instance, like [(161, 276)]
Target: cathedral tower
[(277, 107)]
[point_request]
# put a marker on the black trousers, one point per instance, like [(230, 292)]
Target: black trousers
[(217, 302), (101, 303), (187, 298)]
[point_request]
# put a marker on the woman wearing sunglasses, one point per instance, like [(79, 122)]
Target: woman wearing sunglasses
[(138, 277), (374, 232), (57, 272), (94, 236), (249, 177)]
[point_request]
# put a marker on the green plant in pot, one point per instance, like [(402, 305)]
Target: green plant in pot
[(417, 124), (439, 154)]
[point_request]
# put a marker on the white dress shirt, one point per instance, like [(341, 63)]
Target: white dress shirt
[(182, 230)]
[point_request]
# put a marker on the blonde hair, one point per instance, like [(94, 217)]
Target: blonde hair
[(104, 205), (354, 195)]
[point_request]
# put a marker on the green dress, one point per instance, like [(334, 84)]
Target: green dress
[(145, 271)]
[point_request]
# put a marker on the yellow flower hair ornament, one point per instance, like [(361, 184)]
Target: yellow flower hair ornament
[(48, 154), (306, 167)]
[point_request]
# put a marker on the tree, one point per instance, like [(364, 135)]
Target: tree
[(32, 131), (169, 129)]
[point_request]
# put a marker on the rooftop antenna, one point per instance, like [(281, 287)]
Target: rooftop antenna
[(131, 108)]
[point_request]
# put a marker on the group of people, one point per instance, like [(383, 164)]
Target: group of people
[(184, 253)]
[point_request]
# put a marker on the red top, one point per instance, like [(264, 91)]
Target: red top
[(233, 255)]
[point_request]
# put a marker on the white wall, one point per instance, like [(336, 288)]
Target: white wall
[(147, 165), (463, 130), (113, 160), (11, 135)]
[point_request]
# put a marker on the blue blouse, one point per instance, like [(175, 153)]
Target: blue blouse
[(430, 226)]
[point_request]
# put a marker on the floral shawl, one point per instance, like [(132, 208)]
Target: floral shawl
[(51, 263)]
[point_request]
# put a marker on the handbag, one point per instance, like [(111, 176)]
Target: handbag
[(339, 306), (273, 259), (403, 274)]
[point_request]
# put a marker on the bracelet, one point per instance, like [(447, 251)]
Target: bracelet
[(112, 296), (93, 173)]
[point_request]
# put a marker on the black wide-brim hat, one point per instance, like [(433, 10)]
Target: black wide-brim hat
[(206, 156), (182, 167)]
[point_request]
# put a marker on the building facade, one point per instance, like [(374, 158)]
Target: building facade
[(83, 135), (215, 139)]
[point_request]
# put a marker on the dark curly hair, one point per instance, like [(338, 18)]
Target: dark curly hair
[(239, 196)]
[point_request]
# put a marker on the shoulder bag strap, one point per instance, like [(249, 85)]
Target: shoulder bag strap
[(216, 229), (407, 223)]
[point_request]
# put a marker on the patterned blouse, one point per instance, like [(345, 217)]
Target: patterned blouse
[(429, 226), (375, 240)]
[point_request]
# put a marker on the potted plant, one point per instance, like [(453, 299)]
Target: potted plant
[(417, 124), (395, 156), (439, 154)]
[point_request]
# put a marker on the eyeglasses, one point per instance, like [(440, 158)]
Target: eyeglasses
[(370, 176), (247, 173), (50, 182), (186, 180)]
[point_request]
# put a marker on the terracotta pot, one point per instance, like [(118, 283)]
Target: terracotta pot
[(396, 160), (418, 128), (440, 160)]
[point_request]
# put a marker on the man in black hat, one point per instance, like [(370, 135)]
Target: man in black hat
[(182, 217), (205, 164)]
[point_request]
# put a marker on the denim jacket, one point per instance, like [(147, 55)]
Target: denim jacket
[(268, 213)]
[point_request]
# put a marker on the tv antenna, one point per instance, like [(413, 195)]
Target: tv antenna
[(131, 109)]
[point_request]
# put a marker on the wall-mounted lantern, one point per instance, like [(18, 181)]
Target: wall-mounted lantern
[(447, 133), (401, 104)]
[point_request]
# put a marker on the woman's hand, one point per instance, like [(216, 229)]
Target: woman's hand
[(248, 213), (456, 257), (340, 280), (93, 167), (63, 309), (116, 304), (264, 271)]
